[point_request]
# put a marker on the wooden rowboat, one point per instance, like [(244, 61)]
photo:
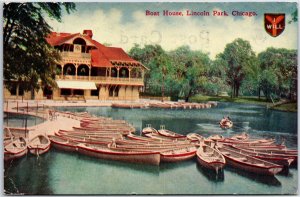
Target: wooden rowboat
[(290, 152), (89, 135), (195, 137), (248, 163), (242, 136), (178, 154), (215, 137), (148, 129), (141, 138), (15, 149), (63, 143), (128, 105), (226, 125), (259, 142), (280, 159), (164, 138), (39, 145), (167, 133), (152, 158), (152, 142), (124, 131), (95, 141), (210, 158), (262, 146)]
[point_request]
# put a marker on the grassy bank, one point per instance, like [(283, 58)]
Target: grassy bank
[(290, 107), (249, 100)]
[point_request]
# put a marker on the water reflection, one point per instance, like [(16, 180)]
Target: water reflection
[(285, 172), (211, 175), (29, 169), (151, 169), (19, 120), (268, 180), (169, 166)]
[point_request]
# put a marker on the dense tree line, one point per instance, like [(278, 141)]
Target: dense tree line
[(183, 72), (28, 59)]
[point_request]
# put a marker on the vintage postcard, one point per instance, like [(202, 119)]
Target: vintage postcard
[(159, 98)]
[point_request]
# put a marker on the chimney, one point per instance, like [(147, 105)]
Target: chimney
[(89, 33)]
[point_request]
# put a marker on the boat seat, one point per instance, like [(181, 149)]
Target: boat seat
[(241, 158), (225, 153), (208, 154)]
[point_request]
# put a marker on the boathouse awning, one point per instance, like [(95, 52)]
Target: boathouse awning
[(81, 85)]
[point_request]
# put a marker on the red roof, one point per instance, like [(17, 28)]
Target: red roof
[(102, 56), (99, 60), (55, 39)]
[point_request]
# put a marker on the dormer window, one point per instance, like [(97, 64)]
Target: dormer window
[(79, 45)]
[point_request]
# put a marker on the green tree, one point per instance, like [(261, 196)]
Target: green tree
[(253, 76), (279, 73), (238, 56), (158, 79), (27, 56), (216, 77), (189, 68)]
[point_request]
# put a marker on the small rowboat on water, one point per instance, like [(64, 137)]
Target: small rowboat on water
[(124, 131), (248, 163), (225, 123), (89, 135), (195, 137), (215, 137), (63, 143), (178, 154), (145, 157), (274, 150), (15, 149), (210, 158), (141, 138), (167, 133), (128, 105), (243, 136), (39, 145), (164, 138), (148, 129), (280, 159), (258, 142), (150, 142)]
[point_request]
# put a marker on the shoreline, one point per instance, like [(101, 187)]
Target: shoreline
[(249, 100)]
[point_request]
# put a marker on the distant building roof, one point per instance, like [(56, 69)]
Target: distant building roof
[(101, 56)]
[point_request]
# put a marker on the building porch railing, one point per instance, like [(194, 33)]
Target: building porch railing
[(103, 79)]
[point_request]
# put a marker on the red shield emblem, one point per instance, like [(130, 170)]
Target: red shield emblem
[(274, 24)]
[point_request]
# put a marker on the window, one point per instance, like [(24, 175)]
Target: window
[(78, 92), (65, 92)]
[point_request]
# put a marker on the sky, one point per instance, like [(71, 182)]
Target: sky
[(125, 24)]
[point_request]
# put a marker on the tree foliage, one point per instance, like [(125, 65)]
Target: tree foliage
[(27, 56), (279, 73), (238, 56), (190, 71), (182, 73)]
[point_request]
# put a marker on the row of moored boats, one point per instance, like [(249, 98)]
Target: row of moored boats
[(168, 105), (106, 138)]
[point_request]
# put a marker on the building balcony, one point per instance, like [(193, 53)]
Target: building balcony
[(103, 80), (75, 55), (84, 58)]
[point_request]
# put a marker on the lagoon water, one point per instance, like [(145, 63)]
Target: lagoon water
[(58, 172)]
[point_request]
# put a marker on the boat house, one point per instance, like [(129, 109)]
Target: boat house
[(89, 70)]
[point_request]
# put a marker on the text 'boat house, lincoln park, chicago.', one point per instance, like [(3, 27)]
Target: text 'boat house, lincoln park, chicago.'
[(88, 70)]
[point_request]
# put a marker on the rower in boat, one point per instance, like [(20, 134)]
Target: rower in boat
[(226, 123)]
